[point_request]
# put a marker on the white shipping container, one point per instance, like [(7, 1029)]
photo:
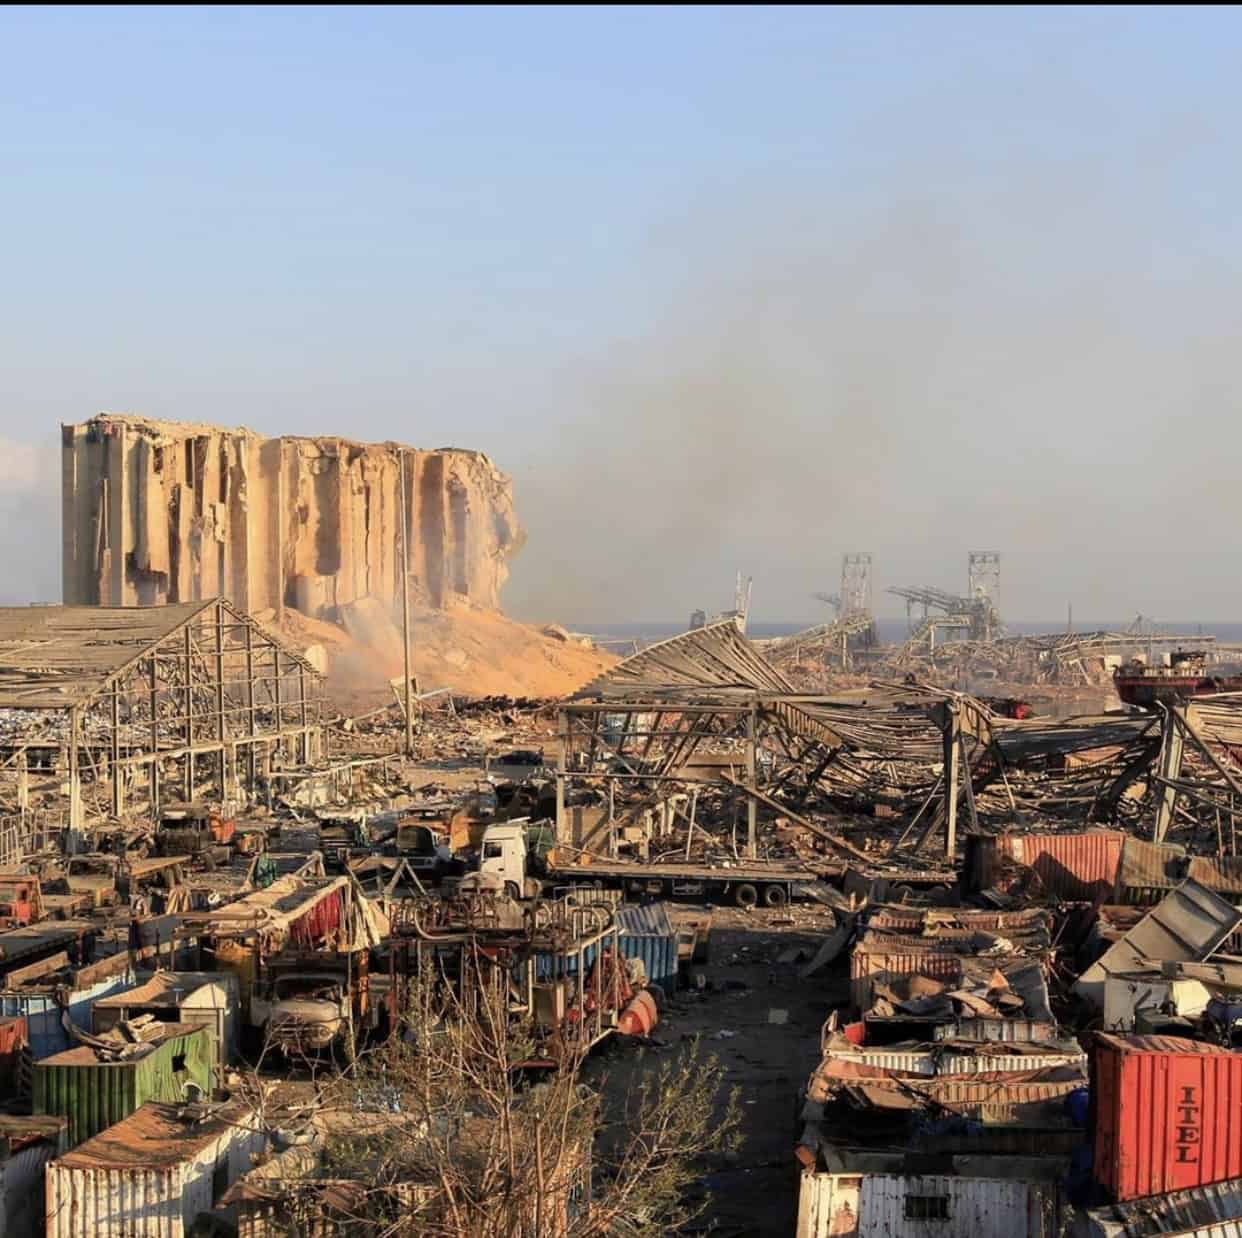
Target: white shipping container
[(150, 1175), (838, 1205), (29, 1144), (929, 1063)]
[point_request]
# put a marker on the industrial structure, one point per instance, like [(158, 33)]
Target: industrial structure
[(164, 511), (129, 707)]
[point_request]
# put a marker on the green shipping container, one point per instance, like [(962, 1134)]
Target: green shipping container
[(93, 1092)]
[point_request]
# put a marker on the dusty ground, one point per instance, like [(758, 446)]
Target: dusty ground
[(762, 1023)]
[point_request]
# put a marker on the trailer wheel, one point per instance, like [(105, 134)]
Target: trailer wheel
[(745, 895), (775, 896)]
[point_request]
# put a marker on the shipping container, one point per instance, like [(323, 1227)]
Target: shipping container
[(643, 932), (952, 1061), (93, 1092), (27, 1144), (647, 933), (833, 1205), (208, 999), (1075, 868), (938, 921), (151, 1174), (1166, 1114), (73, 993)]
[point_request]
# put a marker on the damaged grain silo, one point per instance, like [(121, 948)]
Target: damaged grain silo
[(163, 511)]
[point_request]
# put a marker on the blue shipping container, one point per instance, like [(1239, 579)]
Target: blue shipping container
[(646, 933), (42, 1012)]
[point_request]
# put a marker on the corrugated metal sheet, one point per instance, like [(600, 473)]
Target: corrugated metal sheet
[(986, 1207), (1186, 926), (647, 933), (1220, 873), (860, 1206), (94, 1094), (150, 1175), (934, 922), (945, 1061), (1204, 1212), (1147, 866), (1166, 1114), (1078, 868), (1000, 1101), (42, 1011), (965, 1064), (1003, 1030)]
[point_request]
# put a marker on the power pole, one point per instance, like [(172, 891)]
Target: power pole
[(405, 612)]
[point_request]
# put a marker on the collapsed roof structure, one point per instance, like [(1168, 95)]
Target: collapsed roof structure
[(117, 700)]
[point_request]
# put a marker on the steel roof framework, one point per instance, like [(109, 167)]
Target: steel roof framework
[(136, 696)]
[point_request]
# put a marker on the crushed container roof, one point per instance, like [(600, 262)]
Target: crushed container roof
[(156, 1134), (88, 1055)]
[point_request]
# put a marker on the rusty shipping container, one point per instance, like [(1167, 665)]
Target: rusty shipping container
[(1076, 868), (1166, 1114)]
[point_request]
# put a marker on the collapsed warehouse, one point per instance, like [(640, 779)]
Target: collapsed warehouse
[(701, 729), (115, 711)]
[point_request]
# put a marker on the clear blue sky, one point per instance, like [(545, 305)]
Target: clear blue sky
[(720, 288)]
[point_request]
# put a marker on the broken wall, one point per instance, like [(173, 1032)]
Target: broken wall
[(162, 511)]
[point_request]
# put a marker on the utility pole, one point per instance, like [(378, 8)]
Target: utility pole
[(405, 611)]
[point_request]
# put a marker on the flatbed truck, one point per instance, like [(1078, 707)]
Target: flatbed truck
[(749, 883)]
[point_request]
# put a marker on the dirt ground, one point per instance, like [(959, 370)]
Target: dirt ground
[(762, 1022)]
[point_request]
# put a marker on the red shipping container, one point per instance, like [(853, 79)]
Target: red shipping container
[(1077, 868), (1168, 1114)]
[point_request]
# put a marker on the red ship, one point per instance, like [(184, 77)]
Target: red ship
[(1185, 677)]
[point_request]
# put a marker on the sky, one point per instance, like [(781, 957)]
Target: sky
[(721, 289)]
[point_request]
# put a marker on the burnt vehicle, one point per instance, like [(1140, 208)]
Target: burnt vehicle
[(106, 880), (195, 830), (342, 837), (421, 841), (314, 1003)]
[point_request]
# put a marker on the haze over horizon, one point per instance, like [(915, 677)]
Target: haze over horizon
[(721, 289)]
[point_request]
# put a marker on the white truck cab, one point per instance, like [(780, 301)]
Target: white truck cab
[(504, 855)]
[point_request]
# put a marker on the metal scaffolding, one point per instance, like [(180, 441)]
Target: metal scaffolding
[(126, 706)]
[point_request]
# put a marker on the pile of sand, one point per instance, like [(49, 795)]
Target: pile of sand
[(474, 652)]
